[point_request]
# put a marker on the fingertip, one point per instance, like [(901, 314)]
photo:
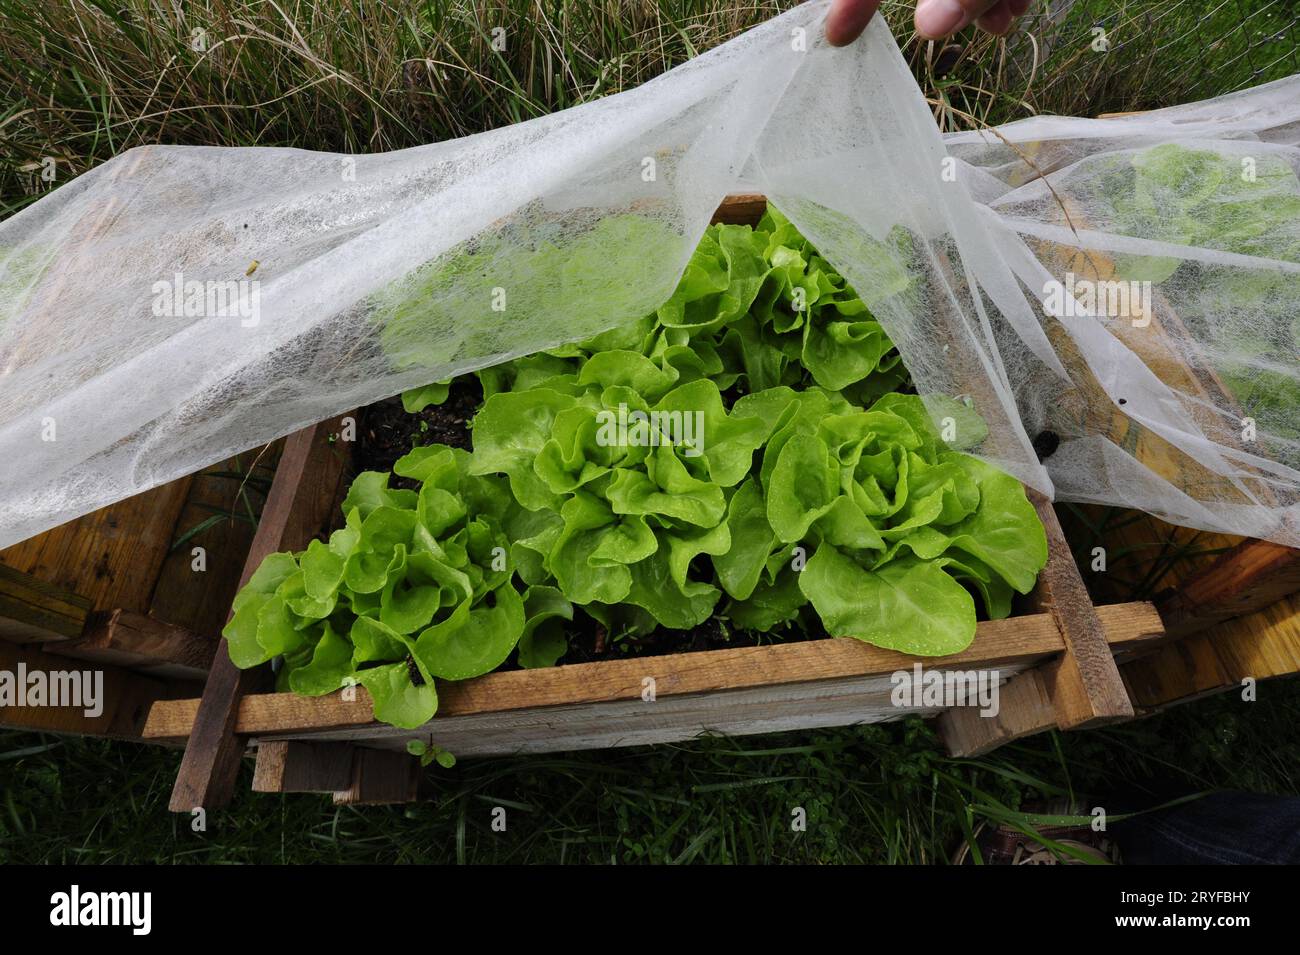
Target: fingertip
[(847, 19), (837, 35)]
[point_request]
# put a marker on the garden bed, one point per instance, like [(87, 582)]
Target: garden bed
[(1059, 648)]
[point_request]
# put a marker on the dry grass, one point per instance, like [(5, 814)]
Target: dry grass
[(86, 79), (83, 80)]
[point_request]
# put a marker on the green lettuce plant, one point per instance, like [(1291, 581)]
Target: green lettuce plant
[(743, 453), (1246, 317), (755, 308), (415, 586), (1202, 198)]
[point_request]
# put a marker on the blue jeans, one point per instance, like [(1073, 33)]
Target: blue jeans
[(1228, 828)]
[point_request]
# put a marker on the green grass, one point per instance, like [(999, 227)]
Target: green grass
[(1173, 51), (881, 793), (86, 79), (82, 80)]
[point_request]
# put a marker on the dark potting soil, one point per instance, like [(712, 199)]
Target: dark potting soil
[(386, 431), (589, 643)]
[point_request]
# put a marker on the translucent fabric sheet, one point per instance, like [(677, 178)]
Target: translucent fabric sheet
[(1118, 297)]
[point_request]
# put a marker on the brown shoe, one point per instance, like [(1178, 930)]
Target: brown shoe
[(1072, 845)]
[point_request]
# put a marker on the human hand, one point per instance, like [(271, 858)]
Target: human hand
[(935, 19)]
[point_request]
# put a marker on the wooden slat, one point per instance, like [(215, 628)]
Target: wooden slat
[(36, 611), (289, 766), (1070, 692), (1217, 659), (1084, 684), (1249, 577), (741, 209), (1025, 639), (1182, 670), (1133, 541), (111, 556), (299, 508), (1262, 643), (126, 697), (1025, 708), (381, 777), (765, 709), (1254, 646), (1208, 588), (998, 643), (137, 642)]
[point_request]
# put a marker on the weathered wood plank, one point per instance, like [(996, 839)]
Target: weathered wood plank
[(1084, 684), (290, 766), (199, 600), (381, 777), (1025, 639), (125, 697), (1264, 642), (1025, 708), (768, 709), (137, 642), (299, 508), (36, 611), (741, 209), (998, 644), (1180, 670), (1247, 578), (111, 556), (1256, 647)]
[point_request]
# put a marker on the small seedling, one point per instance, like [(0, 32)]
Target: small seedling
[(431, 753)]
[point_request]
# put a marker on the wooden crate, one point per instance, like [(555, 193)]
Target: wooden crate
[(1056, 657)]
